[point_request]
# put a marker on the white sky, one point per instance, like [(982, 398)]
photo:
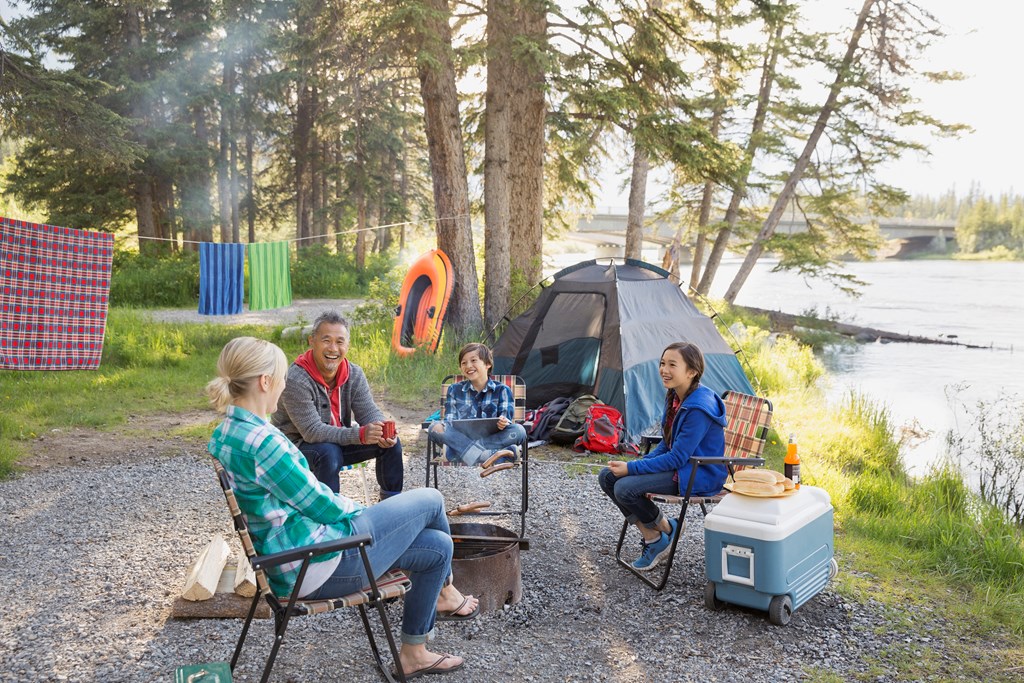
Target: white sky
[(983, 44)]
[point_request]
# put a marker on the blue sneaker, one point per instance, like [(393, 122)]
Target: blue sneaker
[(657, 552)]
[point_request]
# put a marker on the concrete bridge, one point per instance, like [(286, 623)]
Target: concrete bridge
[(608, 231)]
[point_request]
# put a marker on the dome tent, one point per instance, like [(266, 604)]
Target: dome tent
[(600, 328)]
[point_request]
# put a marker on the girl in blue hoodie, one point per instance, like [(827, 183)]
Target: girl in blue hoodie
[(693, 425)]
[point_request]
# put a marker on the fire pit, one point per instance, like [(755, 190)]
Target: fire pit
[(486, 564)]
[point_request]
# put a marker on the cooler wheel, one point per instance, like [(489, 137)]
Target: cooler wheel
[(833, 569), (780, 610), (711, 600)]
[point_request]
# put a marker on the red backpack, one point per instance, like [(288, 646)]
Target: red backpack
[(602, 430)]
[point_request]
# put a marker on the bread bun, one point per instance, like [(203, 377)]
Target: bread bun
[(758, 488), (764, 476), (788, 483)]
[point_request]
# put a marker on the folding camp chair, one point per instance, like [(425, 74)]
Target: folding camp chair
[(435, 452), (361, 467), (745, 434), (391, 585)]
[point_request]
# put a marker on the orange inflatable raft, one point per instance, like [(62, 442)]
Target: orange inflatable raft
[(422, 304)]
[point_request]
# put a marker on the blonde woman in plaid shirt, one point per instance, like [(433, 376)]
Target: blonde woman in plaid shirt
[(287, 507)]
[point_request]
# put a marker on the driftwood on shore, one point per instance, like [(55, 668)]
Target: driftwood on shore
[(786, 322)]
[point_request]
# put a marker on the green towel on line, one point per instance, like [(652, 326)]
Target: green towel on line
[(270, 282)]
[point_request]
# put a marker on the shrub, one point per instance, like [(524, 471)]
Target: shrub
[(318, 273), (153, 282)]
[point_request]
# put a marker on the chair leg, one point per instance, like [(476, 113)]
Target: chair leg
[(681, 521), (386, 624), (671, 556), (245, 627), (280, 626), (366, 489), (524, 503)]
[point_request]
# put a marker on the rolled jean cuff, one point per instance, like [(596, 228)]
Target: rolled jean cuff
[(656, 522), (409, 639)]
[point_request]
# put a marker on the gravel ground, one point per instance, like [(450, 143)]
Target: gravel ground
[(96, 555)]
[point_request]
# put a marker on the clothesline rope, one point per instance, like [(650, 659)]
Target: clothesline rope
[(310, 237)]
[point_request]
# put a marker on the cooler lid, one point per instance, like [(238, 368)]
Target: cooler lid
[(779, 516)]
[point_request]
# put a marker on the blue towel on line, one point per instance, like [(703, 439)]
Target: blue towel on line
[(221, 278)]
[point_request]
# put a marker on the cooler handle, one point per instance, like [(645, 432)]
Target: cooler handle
[(741, 552)]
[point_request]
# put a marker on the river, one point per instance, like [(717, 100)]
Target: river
[(926, 387)]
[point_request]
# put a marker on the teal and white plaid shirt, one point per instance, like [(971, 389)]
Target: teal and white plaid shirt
[(284, 505)]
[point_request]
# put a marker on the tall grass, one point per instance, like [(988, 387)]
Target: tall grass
[(900, 528)]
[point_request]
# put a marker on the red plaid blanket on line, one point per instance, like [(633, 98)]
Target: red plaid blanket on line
[(54, 284)]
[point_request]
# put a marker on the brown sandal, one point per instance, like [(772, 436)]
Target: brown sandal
[(498, 455), (488, 471)]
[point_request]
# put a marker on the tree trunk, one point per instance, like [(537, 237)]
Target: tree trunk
[(300, 150), (250, 185), (788, 189), (739, 192), (448, 166), (196, 208), (497, 236), (224, 152), (706, 201), (144, 216), (360, 228), (637, 202), (527, 112)]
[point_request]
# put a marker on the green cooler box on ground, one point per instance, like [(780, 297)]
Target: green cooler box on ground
[(771, 554)]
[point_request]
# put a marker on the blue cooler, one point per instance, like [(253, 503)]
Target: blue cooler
[(771, 554)]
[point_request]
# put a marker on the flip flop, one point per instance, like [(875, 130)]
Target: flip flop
[(453, 615), (432, 669)]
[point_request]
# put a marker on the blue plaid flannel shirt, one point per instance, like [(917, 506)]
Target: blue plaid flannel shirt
[(465, 403)]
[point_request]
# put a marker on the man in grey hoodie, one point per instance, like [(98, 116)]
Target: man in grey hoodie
[(328, 412)]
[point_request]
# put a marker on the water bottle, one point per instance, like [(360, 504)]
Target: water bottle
[(791, 464)]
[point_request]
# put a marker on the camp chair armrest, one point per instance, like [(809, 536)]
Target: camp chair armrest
[(274, 559), (709, 460)]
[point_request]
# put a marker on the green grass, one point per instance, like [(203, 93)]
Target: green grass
[(150, 367), (146, 367), (930, 541)]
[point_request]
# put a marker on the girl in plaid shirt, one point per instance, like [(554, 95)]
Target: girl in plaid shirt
[(479, 396), (286, 507)]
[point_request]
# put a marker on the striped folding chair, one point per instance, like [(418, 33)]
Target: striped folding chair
[(749, 418), (392, 584), (435, 456)]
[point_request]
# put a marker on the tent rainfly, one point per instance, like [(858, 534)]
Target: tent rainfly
[(600, 328)]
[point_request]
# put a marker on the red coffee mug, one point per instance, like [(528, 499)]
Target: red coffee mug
[(389, 429)]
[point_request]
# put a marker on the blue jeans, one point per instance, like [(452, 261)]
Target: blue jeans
[(470, 452), (410, 532), (326, 460), (628, 494)]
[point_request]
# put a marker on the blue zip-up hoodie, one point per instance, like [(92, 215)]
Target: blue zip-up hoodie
[(698, 430)]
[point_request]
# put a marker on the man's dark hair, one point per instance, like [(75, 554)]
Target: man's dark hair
[(329, 318)]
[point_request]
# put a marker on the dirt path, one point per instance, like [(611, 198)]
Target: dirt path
[(301, 311)]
